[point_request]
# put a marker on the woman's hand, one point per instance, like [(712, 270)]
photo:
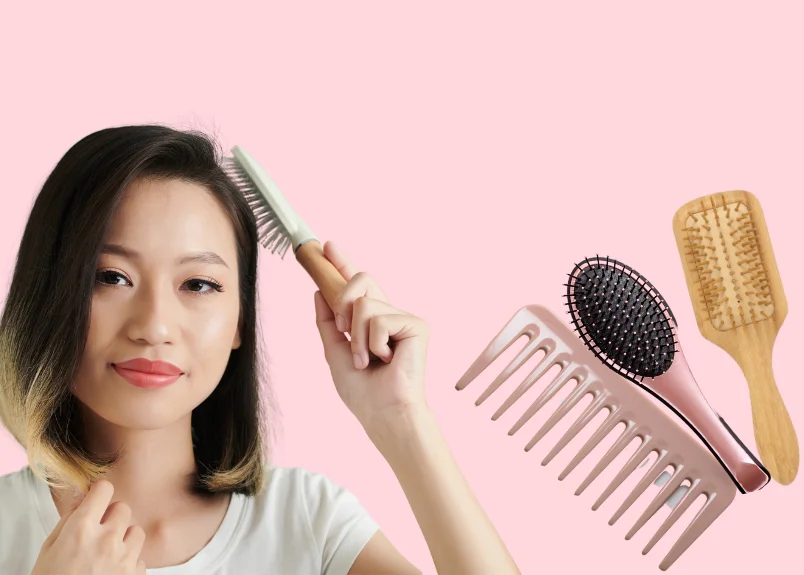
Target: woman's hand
[(93, 537), (388, 399), (382, 389)]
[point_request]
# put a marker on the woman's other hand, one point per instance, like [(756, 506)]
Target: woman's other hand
[(93, 538)]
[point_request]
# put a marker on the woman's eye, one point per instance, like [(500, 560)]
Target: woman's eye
[(197, 286), (109, 277)]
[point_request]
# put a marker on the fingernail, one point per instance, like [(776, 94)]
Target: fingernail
[(340, 323), (358, 361)]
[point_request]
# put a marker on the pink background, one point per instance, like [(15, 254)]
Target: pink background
[(465, 154)]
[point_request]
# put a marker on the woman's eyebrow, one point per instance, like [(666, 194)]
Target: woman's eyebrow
[(202, 257)]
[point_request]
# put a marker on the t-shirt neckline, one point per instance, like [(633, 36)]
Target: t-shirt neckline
[(209, 557)]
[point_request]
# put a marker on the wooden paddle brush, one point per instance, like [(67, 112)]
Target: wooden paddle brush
[(740, 306)]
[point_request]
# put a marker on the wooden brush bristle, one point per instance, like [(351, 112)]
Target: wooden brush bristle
[(723, 254)]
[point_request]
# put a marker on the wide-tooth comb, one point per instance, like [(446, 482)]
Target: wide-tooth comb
[(659, 430), (740, 305)]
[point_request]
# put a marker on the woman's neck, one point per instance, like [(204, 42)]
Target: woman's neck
[(155, 472)]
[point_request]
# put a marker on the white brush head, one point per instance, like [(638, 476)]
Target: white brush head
[(278, 225)]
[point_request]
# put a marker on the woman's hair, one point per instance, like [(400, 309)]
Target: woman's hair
[(45, 322)]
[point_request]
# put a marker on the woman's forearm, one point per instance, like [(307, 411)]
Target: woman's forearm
[(459, 534)]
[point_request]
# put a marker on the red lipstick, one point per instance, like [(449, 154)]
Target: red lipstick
[(144, 373)]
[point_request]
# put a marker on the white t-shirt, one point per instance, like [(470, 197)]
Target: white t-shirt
[(300, 523)]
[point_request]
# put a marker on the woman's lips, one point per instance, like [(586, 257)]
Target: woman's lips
[(146, 380), (148, 366)]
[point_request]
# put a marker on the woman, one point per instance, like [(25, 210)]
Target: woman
[(129, 371)]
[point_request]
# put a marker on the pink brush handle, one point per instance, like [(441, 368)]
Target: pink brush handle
[(677, 387)]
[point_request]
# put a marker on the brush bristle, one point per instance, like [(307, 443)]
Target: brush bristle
[(621, 317), (271, 233), (725, 258)]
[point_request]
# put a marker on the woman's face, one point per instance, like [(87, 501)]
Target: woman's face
[(166, 289)]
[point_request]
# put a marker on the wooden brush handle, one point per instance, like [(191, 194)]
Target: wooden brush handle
[(325, 275), (773, 429)]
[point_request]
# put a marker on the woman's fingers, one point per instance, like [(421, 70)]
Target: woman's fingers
[(339, 260), (331, 338), (134, 539), (93, 506), (363, 311), (389, 327), (364, 338), (361, 285), (358, 284), (64, 518)]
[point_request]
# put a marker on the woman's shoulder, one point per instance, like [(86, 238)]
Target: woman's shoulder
[(329, 513), (300, 481), (21, 529), (19, 494), (315, 492), (14, 476), (15, 483), (17, 501)]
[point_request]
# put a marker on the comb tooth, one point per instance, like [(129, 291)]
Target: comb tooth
[(544, 365), (583, 420), (516, 327), (564, 407), (630, 431), (521, 323), (635, 460), (546, 395), (710, 511), (666, 491), (531, 348), (479, 364), (608, 425), (687, 500), (643, 484)]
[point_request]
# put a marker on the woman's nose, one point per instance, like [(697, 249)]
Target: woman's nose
[(153, 315)]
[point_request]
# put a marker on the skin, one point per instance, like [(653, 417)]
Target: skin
[(153, 313)]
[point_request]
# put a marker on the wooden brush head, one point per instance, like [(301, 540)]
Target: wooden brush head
[(729, 265)]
